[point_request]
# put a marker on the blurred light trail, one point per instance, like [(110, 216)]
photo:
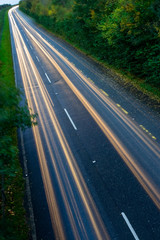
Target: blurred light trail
[(68, 176), (138, 163)]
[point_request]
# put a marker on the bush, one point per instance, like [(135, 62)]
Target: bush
[(124, 33)]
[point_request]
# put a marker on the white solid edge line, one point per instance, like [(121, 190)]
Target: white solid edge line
[(130, 226), (47, 78), (37, 58), (70, 119)]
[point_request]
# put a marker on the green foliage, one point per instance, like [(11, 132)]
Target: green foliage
[(4, 6), (132, 34), (12, 116), (13, 226), (124, 33)]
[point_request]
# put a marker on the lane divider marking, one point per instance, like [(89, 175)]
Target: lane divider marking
[(89, 78), (104, 92), (74, 126), (47, 78), (145, 130), (118, 105), (37, 59), (31, 47), (129, 225)]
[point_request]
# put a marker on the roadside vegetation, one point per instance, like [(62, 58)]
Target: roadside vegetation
[(124, 34), (12, 216)]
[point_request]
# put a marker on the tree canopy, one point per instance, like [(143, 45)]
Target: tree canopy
[(124, 33)]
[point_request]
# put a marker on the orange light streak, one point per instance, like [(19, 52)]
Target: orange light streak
[(126, 122), (30, 75)]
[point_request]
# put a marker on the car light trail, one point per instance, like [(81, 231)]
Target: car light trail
[(142, 176), (68, 176), (137, 134)]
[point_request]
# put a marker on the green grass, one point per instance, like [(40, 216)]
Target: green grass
[(2, 12), (13, 225), (6, 70)]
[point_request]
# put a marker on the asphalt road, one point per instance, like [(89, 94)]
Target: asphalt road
[(93, 160)]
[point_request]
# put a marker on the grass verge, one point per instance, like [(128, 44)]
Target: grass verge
[(12, 217)]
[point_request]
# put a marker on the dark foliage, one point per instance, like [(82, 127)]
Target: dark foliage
[(123, 33), (12, 116)]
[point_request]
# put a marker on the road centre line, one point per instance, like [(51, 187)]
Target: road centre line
[(37, 58), (74, 126), (105, 92), (130, 226), (31, 47), (47, 78)]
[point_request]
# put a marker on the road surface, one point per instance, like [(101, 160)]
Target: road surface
[(93, 161)]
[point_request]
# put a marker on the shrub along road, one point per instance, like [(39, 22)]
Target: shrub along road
[(121, 33), (12, 115)]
